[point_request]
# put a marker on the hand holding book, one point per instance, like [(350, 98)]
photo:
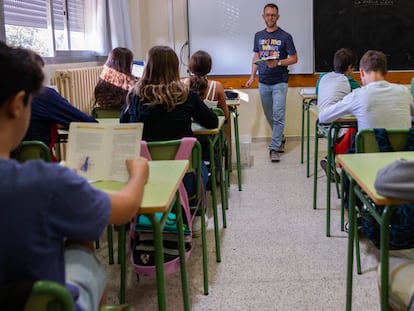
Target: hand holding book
[(264, 59)]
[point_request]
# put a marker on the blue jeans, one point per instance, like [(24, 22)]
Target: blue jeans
[(273, 99)]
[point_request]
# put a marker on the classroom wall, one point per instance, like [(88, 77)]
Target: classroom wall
[(151, 26)]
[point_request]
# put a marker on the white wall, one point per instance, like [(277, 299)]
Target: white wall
[(151, 25)]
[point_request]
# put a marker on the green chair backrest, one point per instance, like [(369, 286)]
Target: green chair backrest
[(366, 142), (100, 113), (218, 111), (49, 296), (33, 149), (166, 150), (52, 296)]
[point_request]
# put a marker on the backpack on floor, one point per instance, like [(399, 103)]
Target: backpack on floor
[(141, 235), (402, 219)]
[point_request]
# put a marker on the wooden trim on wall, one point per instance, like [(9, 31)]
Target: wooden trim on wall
[(307, 80)]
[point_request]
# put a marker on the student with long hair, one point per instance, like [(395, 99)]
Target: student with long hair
[(115, 80), (166, 106)]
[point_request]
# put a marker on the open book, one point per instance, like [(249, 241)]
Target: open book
[(263, 59), (98, 151)]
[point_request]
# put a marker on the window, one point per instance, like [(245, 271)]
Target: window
[(52, 28)]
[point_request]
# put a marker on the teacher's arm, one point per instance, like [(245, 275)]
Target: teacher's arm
[(254, 70)]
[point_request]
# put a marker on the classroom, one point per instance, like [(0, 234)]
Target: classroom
[(277, 236)]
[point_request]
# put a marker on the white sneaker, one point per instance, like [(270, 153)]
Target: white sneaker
[(197, 226)]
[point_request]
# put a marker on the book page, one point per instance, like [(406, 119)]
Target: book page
[(126, 144), (98, 151), (86, 149)]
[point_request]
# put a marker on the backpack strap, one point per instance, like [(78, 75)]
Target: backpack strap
[(383, 141), (185, 148), (183, 153), (145, 151)]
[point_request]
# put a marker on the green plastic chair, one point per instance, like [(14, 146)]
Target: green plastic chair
[(101, 113), (33, 149), (49, 296), (52, 296), (166, 150)]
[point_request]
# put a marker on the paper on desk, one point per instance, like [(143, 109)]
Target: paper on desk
[(308, 91)]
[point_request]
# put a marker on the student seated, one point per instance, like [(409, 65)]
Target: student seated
[(331, 87), (49, 112), (210, 91), (377, 104), (115, 80), (166, 106), (51, 215)]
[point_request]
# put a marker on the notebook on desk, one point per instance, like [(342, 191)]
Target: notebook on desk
[(98, 151)]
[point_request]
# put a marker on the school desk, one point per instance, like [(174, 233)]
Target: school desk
[(160, 196), (215, 138), (308, 99), (362, 169), (232, 104)]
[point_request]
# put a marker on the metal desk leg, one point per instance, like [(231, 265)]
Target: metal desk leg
[(223, 184), (183, 271), (315, 166), (214, 198), (328, 184), (384, 254), (122, 258), (159, 263), (235, 114), (352, 223), (302, 132)]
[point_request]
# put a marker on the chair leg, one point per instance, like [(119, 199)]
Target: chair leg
[(110, 244), (204, 250), (315, 166)]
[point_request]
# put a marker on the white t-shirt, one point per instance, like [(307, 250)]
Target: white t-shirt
[(378, 104)]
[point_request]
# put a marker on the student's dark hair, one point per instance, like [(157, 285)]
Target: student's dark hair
[(108, 95), (20, 72), (271, 5), (120, 59), (200, 66), (160, 83), (374, 61), (343, 58)]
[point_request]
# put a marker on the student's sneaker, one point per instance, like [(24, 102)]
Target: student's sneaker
[(274, 156), (282, 145), (324, 165)]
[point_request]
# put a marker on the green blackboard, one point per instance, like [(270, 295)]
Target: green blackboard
[(385, 25)]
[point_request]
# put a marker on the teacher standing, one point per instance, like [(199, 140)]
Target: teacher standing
[(274, 43)]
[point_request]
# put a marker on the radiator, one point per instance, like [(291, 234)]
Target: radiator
[(77, 85)]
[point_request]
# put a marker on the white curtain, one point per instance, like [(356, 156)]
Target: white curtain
[(109, 27)]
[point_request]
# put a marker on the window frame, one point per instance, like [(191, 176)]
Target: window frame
[(61, 56)]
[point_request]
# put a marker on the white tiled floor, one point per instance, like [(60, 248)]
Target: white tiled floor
[(275, 255)]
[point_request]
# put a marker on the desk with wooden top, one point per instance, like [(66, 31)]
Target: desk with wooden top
[(215, 138), (329, 131), (160, 195), (308, 98), (232, 104), (362, 169)]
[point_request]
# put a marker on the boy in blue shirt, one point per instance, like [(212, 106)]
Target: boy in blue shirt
[(50, 215)]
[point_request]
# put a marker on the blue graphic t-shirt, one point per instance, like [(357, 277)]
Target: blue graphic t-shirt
[(278, 43)]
